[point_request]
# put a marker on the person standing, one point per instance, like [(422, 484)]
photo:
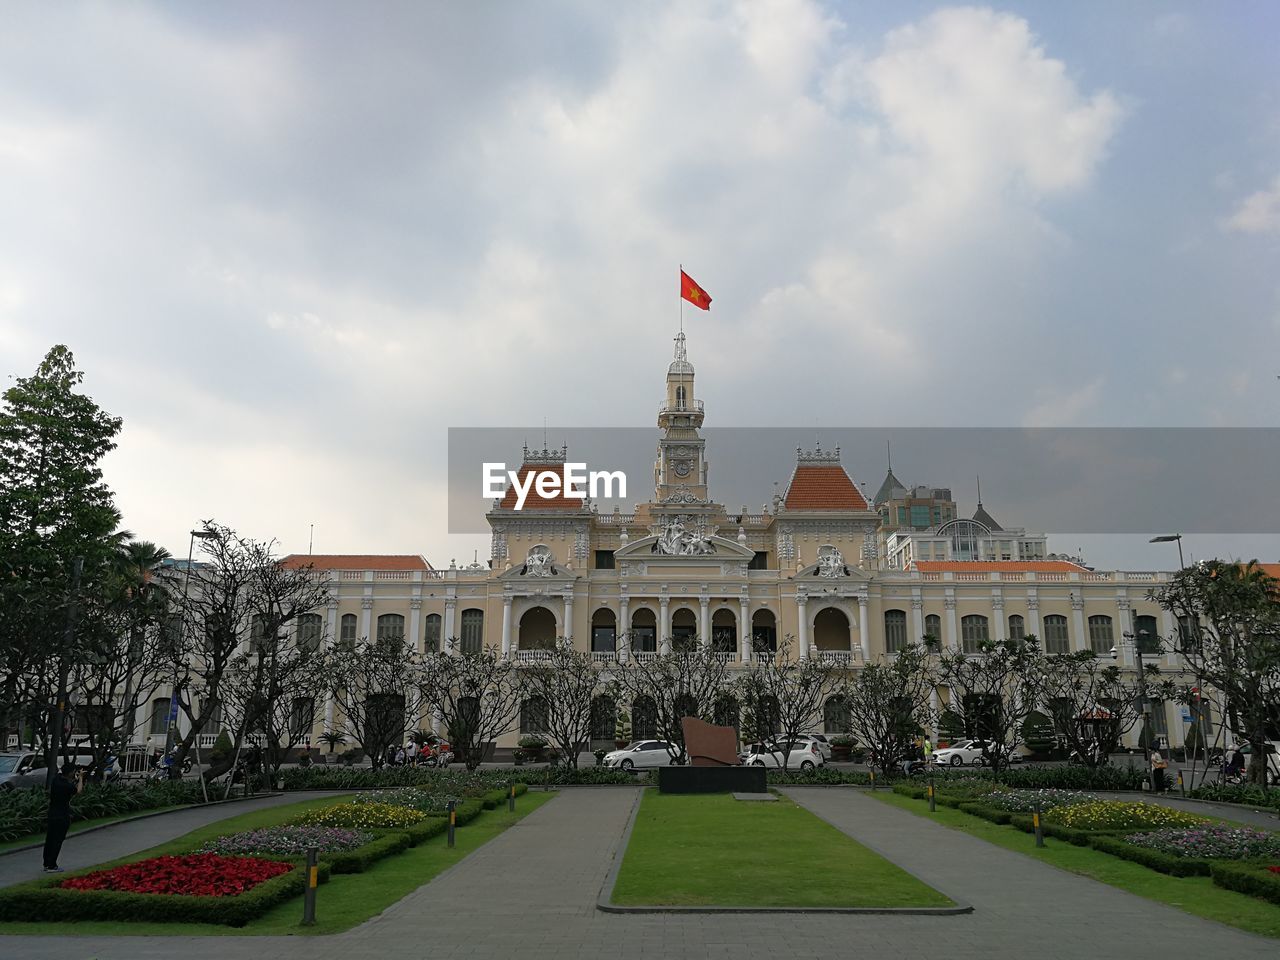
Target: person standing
[(61, 790), (1158, 766)]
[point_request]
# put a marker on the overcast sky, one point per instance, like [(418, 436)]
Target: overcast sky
[(292, 244)]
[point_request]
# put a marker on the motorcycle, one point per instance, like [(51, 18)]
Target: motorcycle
[(163, 767)]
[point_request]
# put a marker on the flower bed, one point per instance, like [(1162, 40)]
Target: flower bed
[(361, 816), (290, 840), (414, 798), (1024, 801), (197, 875), (1211, 842), (1120, 816)]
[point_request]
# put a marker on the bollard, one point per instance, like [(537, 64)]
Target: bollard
[(313, 877), (1035, 822), (511, 798), (933, 803), (873, 779), (1182, 787), (453, 819)]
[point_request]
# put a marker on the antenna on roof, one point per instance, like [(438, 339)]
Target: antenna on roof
[(888, 449), (311, 539), (544, 433), (979, 490)]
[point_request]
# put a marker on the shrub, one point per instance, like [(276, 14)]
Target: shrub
[(966, 788), (362, 816), (424, 830), (289, 840), (1247, 793), (24, 812), (1176, 866), (359, 859), (980, 809), (1212, 842), (1252, 879), (822, 776), (1025, 823), (1126, 816), (570, 776)]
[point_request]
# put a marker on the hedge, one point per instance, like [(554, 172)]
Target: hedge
[(1024, 822), (44, 900), (25, 812), (1249, 878), (424, 830), (1246, 793), (359, 859), (1163, 862), (994, 814)]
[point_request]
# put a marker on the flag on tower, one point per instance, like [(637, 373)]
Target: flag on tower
[(693, 293)]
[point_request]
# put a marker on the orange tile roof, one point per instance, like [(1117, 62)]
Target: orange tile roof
[(534, 501), (817, 487), (357, 561), (993, 566), (1271, 569)]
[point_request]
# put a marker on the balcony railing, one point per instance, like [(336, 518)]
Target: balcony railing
[(844, 658), (603, 656), (531, 656), (683, 406)]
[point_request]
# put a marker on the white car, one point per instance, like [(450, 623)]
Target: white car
[(641, 755), (960, 753), (804, 756), (823, 745)]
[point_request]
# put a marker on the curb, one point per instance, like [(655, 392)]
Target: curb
[(604, 905)]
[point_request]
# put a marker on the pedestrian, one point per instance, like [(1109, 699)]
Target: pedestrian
[(928, 752), (1158, 766), (61, 790)]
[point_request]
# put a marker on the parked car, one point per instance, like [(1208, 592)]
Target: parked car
[(1273, 759), (26, 768), (803, 756), (959, 753), (823, 744), (641, 755)]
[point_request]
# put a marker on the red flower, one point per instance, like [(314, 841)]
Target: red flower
[(1275, 869), (196, 875)]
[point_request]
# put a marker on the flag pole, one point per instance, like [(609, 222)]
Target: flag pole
[(680, 297)]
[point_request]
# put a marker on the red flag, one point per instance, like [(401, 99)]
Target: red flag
[(693, 293)]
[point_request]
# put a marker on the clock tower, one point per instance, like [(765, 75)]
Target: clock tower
[(680, 473)]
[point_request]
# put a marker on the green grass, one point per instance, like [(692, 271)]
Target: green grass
[(1195, 895), (345, 901), (712, 850)]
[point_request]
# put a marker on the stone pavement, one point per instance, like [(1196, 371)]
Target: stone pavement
[(122, 839), (530, 894)]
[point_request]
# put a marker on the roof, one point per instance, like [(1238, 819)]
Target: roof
[(534, 501), (995, 566), (357, 561), (822, 487), (986, 519), (891, 489)]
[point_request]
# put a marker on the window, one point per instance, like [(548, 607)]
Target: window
[(472, 631), (302, 712), (431, 634), (533, 715), (759, 561), (1056, 639), (895, 631), (679, 398), (1159, 719), (1188, 633), (347, 638), (604, 560), (835, 716), (604, 718), (159, 715), (604, 638), (1148, 636), (1100, 638), (644, 718), (258, 642), (310, 627), (920, 516), (933, 626), (390, 628), (1017, 627), (973, 633)]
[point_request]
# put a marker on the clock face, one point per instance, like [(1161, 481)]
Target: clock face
[(682, 468)]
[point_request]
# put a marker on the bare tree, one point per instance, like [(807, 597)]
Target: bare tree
[(477, 695), (889, 702), (1092, 704), (782, 698), (378, 684), (565, 685), (683, 683)]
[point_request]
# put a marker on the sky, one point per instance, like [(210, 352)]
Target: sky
[(293, 244)]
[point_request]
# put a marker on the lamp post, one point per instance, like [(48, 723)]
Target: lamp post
[(1172, 538), (1137, 641), (171, 727)]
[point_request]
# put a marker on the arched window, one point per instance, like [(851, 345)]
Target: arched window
[(533, 715), (895, 631), (835, 716), (347, 638), (644, 719), (679, 397), (390, 628), (537, 629), (1056, 639), (604, 718), (604, 633), (724, 631), (1101, 639), (933, 626), (764, 632), (974, 632), (1017, 627), (431, 633), (302, 714), (644, 632), (1148, 635), (472, 630), (831, 630), (310, 627)]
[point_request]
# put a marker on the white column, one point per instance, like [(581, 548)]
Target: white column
[(917, 618), (623, 639), (1001, 631), (1081, 639), (415, 623), (1170, 633), (704, 622), (933, 710), (449, 630), (744, 630), (1033, 617), (506, 627), (664, 626), (366, 617), (1124, 621), (953, 634), (803, 631), (568, 616), (864, 634), (331, 635)]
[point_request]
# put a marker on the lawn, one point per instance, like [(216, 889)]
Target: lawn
[(345, 901), (712, 850), (1195, 895)]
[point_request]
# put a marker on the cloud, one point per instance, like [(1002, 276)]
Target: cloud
[(1257, 213)]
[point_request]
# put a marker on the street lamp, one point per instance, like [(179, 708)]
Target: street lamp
[(1172, 538), (171, 727), (1137, 642)]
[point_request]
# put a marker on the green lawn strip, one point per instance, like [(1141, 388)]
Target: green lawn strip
[(342, 903), (1194, 895), (712, 850)]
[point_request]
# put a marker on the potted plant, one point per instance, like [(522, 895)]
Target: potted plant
[(841, 748), (333, 738), (622, 730), (517, 757), (533, 745)]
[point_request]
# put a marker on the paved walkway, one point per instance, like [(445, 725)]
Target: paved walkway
[(122, 839), (530, 893)]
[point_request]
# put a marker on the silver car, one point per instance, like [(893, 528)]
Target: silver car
[(21, 768), (641, 755)]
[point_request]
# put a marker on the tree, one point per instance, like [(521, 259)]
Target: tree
[(683, 683), (783, 698), (888, 703), (1091, 703), (993, 691), (566, 682), (57, 530), (477, 695), (378, 683), (1231, 639)]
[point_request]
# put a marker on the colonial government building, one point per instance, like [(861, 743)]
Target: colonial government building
[(844, 579)]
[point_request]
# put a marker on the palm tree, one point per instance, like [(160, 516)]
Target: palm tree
[(144, 600)]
